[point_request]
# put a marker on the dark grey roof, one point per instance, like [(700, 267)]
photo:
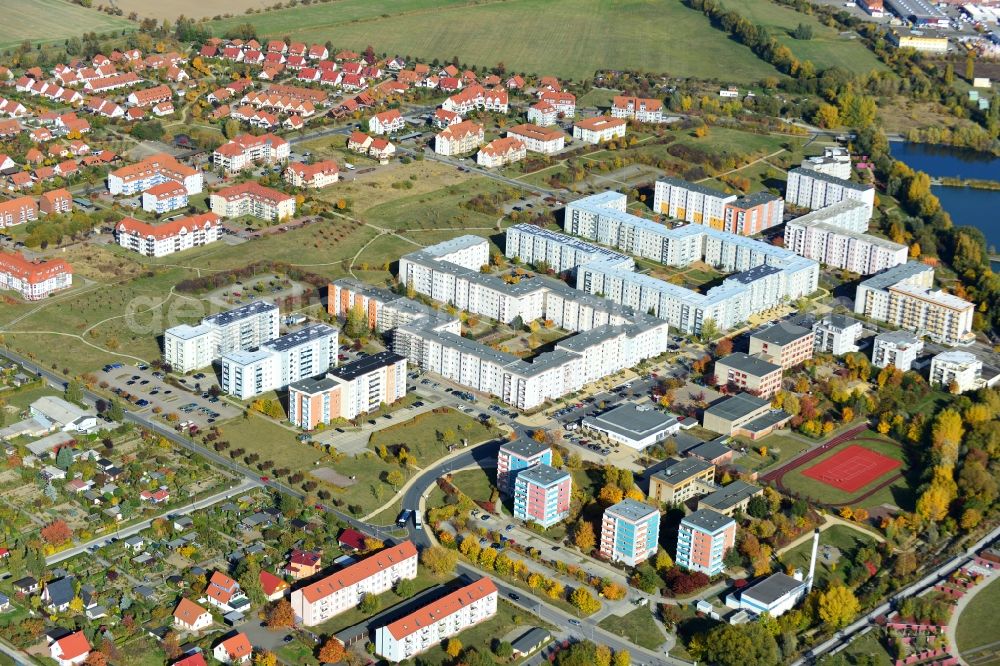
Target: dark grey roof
[(632, 421), (60, 592), (708, 520), (727, 497), (682, 469), (754, 274), (896, 274), (765, 421), (530, 639), (751, 365), (242, 312), (695, 187), (737, 406), (300, 337), (819, 175), (781, 333), (772, 588), (524, 448), (839, 321), (542, 475), (710, 450), (755, 199), (366, 364)]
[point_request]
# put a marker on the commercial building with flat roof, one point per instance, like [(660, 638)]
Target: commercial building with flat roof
[(744, 414), (783, 343), (702, 541), (748, 373), (634, 426), (630, 532), (775, 595), (681, 480)]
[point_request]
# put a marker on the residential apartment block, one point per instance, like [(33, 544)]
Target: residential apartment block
[(563, 102), (245, 150), (813, 189), (159, 240), (748, 373), (903, 296), (314, 176), (307, 352), (784, 344), (538, 139), (344, 589), (460, 138), (896, 348), (836, 334), (827, 235), (429, 626), (18, 211), (188, 348), (542, 495), (599, 129), (152, 171), (753, 213), (630, 532), (699, 204), (349, 391), (835, 161), (682, 480), (560, 252), (766, 275), (499, 152), (640, 109), (477, 98), (164, 198), (518, 455), (384, 309), (252, 198), (34, 280), (702, 541), (543, 114), (54, 202), (959, 370), (387, 122)]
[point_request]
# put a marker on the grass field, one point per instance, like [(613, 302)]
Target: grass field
[(780, 449), (663, 36), (438, 209), (49, 21), (637, 626), (979, 625), (838, 536), (482, 635), (191, 8), (422, 434), (896, 493), (868, 650)]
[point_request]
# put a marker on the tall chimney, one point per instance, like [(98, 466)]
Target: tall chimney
[(812, 562)]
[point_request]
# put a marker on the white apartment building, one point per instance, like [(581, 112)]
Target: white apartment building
[(349, 391), (314, 176), (188, 348), (836, 334), (385, 309), (252, 198), (155, 170), (815, 237), (561, 253), (499, 152), (463, 137), (903, 296), (562, 102), (640, 109), (599, 129), (245, 150), (766, 276), (543, 114), (435, 622), (34, 280), (344, 589), (958, 369), (835, 161), (896, 348), (538, 139), (691, 202), (813, 189), (164, 198), (307, 352), (159, 240), (387, 122)]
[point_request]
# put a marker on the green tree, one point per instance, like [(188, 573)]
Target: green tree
[(803, 31), (356, 325), (115, 411), (369, 604), (741, 645), (74, 392)]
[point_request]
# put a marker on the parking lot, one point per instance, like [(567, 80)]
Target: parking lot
[(146, 391)]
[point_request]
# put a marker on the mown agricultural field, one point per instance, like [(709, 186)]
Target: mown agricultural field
[(48, 21)]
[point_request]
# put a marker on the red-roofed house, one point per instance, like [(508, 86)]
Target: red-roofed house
[(500, 152), (236, 649), (303, 564), (444, 118), (55, 201), (195, 659), (340, 591), (225, 593), (316, 176), (18, 211), (159, 240), (351, 540), (157, 496), (245, 150), (189, 616), (150, 96), (382, 150), (359, 142), (428, 626), (640, 109), (274, 588), (165, 197), (252, 198), (70, 649)]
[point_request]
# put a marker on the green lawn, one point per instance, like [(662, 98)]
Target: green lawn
[(638, 626), (440, 209), (979, 625), (838, 536), (273, 442), (387, 599), (428, 435), (662, 36), (868, 646), (482, 635), (599, 97), (50, 21), (897, 493), (780, 449)]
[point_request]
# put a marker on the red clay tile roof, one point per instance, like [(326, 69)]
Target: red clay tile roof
[(434, 611), (359, 571)]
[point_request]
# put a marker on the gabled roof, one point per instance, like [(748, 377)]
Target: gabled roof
[(73, 646), (359, 571), (271, 583), (442, 608), (188, 611), (237, 646)]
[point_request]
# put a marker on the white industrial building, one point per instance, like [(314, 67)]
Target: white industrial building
[(188, 348), (307, 352), (896, 348)]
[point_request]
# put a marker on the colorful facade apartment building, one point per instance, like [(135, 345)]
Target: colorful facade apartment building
[(691, 202), (155, 170), (54, 202), (630, 532), (703, 539), (159, 240), (542, 495), (427, 627), (784, 344), (518, 455), (682, 480), (245, 150), (252, 198), (349, 391), (754, 213), (34, 280), (344, 589), (314, 176)]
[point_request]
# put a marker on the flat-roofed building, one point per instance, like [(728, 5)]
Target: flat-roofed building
[(304, 353), (634, 426), (959, 371), (187, 347), (919, 40), (682, 480), (517, 455), (691, 202), (730, 498), (702, 541), (835, 160), (542, 495), (818, 235), (896, 348), (748, 373), (559, 252), (783, 343), (775, 595), (813, 189), (753, 213), (836, 334), (744, 414), (630, 532)]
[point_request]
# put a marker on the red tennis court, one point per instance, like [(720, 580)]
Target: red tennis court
[(852, 468)]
